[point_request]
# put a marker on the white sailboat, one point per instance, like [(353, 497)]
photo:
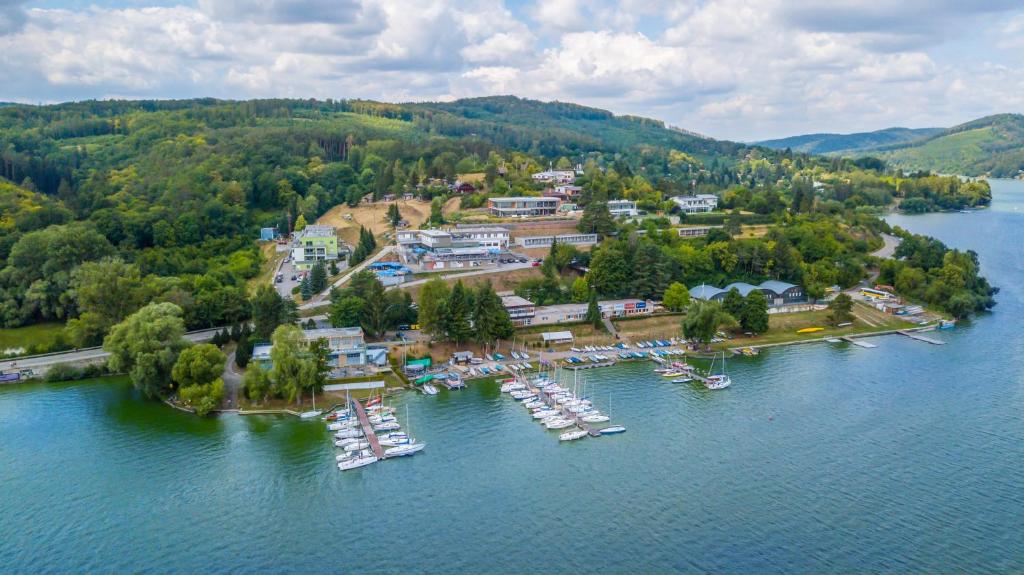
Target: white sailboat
[(720, 381), (572, 435), (314, 412), (409, 446)]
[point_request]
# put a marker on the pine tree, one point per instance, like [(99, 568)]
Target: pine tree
[(300, 223), (318, 277), (334, 268), (733, 303), (394, 216), (490, 318), (457, 313), (243, 353), (306, 288), (594, 311)]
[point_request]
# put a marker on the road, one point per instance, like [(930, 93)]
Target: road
[(887, 250), (41, 362), (320, 298), (232, 382)]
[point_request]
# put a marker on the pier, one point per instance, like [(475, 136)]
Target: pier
[(364, 421), (589, 365), (858, 342), (920, 337)]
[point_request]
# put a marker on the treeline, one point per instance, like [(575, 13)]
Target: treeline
[(460, 314), (925, 270)]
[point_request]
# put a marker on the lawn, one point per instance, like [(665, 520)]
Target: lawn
[(38, 338), (782, 327)]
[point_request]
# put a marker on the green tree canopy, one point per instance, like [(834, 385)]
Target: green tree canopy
[(146, 345)]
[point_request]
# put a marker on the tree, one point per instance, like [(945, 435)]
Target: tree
[(346, 311), (287, 374), (146, 345), (437, 211), (732, 303), (432, 307), (257, 384), (306, 288), (593, 316), (318, 277), (490, 318), (840, 309), (374, 315), (676, 297), (580, 291), (300, 223), (394, 216), (754, 316), (243, 352), (704, 318), (596, 219), (203, 398), (334, 268), (105, 292), (199, 364), (457, 314), (270, 310)]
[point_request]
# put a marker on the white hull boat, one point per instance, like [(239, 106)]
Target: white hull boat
[(429, 389), (558, 423), (356, 446), (389, 426), (595, 418), (356, 462), (612, 430), (404, 449), (348, 433), (310, 414), (572, 435)]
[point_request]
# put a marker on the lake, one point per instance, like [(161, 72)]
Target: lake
[(819, 458)]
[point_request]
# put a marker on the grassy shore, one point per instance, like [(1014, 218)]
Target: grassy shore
[(41, 337)]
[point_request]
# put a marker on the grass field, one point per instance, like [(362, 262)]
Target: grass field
[(271, 258), (783, 326), (39, 337)]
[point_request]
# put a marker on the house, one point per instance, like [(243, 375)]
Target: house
[(345, 345), (556, 337), (694, 231), (546, 241), (555, 176), (696, 204), (463, 188), (314, 244), (776, 292), (520, 310), (522, 206), (487, 236), (564, 192), (622, 208)]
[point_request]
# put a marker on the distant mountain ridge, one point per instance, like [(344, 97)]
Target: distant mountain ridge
[(992, 145), (827, 143)]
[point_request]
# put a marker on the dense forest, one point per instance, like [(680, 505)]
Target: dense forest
[(162, 200)]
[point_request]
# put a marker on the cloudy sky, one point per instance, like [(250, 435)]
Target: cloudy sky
[(739, 69)]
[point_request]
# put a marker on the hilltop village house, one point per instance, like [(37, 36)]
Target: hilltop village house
[(778, 293), (696, 204), (555, 176), (314, 244)]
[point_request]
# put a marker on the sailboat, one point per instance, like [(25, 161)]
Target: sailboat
[(408, 448), (312, 413), (720, 381)]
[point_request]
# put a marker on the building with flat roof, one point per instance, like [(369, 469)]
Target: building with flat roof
[(520, 310), (556, 337), (546, 241), (522, 206), (694, 231), (346, 345), (314, 244), (696, 204), (555, 176), (625, 208), (575, 312), (451, 249)]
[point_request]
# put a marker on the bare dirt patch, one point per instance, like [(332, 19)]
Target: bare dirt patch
[(373, 217)]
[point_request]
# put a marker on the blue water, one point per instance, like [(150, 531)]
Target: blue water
[(820, 458)]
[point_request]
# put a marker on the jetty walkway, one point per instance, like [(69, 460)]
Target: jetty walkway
[(364, 421)]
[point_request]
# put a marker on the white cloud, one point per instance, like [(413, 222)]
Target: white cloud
[(742, 69)]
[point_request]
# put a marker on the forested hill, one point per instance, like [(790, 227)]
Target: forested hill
[(177, 189), (993, 145), (847, 143)]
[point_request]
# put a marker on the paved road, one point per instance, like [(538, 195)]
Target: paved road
[(887, 250), (321, 298), (41, 362), (232, 382)]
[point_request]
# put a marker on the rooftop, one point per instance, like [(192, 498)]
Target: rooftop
[(556, 335), (332, 332), (514, 301), (316, 232)]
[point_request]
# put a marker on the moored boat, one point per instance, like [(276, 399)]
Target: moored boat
[(572, 435), (611, 430)]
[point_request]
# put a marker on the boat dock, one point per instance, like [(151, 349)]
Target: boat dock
[(568, 414), (364, 421), (920, 337), (858, 342), (589, 365)]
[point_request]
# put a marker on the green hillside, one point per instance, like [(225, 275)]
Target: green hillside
[(993, 145), (845, 143)]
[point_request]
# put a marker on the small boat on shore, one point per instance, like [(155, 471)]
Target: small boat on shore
[(429, 389)]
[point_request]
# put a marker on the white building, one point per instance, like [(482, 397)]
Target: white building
[(486, 236), (522, 206), (573, 312), (455, 249), (555, 176), (546, 241), (696, 204), (622, 208)]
